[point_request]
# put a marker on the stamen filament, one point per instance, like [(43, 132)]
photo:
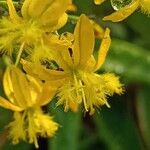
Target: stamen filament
[(76, 85), (83, 96), (19, 53)]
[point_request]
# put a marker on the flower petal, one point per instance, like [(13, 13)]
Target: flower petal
[(104, 47), (24, 9), (41, 72), (98, 30), (61, 21), (6, 104), (8, 87), (21, 87), (12, 12), (123, 13), (48, 92), (84, 41), (52, 14), (40, 5)]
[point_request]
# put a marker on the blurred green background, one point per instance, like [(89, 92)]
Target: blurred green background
[(124, 126)]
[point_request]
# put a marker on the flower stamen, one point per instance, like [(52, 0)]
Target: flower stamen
[(19, 53)]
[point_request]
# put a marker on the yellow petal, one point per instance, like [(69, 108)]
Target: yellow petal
[(61, 59), (6, 104), (72, 8), (21, 87), (61, 52), (90, 64), (12, 12), (7, 84), (35, 84), (38, 7), (98, 30), (98, 2), (41, 72), (104, 47), (48, 92), (84, 41), (61, 21), (24, 9), (123, 13), (52, 14), (66, 56)]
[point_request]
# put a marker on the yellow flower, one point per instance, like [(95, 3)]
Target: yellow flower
[(126, 11), (37, 18), (25, 96), (78, 83)]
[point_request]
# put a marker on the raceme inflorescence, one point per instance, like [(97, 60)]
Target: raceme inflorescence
[(45, 64)]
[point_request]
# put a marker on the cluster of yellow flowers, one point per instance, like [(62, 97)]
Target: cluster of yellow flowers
[(48, 64)]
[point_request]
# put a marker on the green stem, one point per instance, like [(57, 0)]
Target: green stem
[(19, 53), (73, 18), (4, 4)]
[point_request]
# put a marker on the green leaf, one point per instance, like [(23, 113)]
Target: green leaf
[(20, 146), (116, 127), (129, 60), (140, 24), (67, 137), (143, 111)]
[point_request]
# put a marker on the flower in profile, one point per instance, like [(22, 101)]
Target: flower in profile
[(80, 83), (37, 17), (25, 96), (123, 12)]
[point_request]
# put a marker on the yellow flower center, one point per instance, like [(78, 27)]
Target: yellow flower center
[(12, 34)]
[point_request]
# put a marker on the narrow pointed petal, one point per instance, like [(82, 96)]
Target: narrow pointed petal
[(40, 5), (41, 72), (123, 13), (98, 30), (61, 59), (90, 64), (12, 11), (24, 9), (6, 104), (21, 87), (104, 47), (66, 56), (84, 41), (8, 87), (58, 47)]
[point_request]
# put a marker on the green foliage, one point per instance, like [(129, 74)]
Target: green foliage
[(68, 136)]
